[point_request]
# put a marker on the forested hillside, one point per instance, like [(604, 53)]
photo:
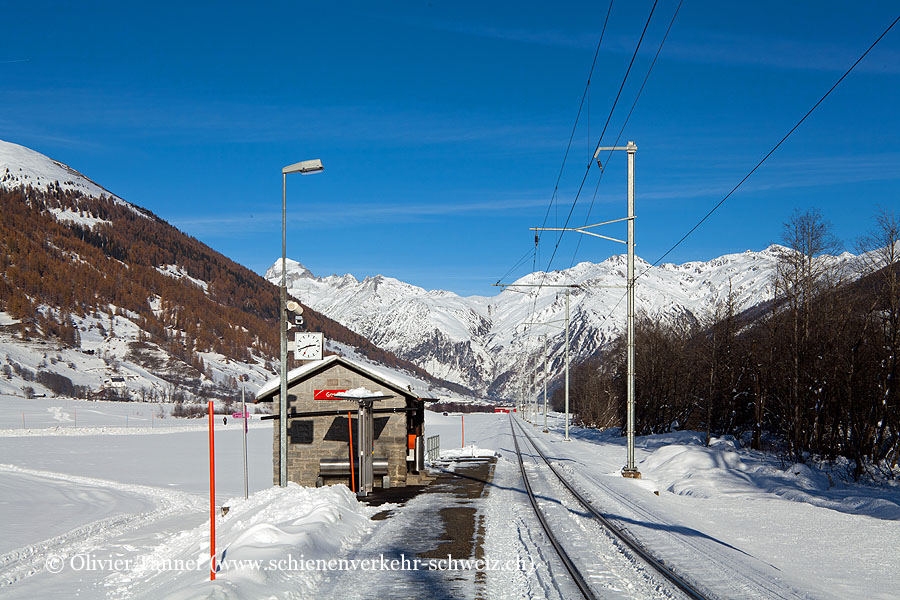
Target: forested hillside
[(80, 255)]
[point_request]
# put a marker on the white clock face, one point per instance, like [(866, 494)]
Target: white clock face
[(308, 346)]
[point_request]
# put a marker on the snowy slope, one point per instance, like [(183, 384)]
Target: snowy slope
[(112, 351), (21, 166), (109, 357), (477, 340)]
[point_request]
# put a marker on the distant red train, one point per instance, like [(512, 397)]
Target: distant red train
[(504, 410)]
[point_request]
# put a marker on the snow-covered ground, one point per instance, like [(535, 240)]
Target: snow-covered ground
[(21, 166), (723, 514), (106, 359), (723, 510), (20, 417)]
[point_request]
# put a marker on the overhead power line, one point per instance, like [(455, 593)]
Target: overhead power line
[(591, 160), (519, 262), (772, 151), (602, 133), (622, 130), (584, 94), (587, 87)]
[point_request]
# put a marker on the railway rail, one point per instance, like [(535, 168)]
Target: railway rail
[(634, 546)]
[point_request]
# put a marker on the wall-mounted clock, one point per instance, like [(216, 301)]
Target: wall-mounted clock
[(308, 346)]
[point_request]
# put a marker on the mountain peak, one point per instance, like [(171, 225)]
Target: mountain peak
[(21, 167), (295, 270)]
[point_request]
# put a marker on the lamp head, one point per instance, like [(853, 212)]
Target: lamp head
[(305, 167)]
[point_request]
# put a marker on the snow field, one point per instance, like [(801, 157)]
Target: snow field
[(734, 519), (264, 545), (20, 417)]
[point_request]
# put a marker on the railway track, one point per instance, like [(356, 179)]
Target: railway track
[(634, 547)]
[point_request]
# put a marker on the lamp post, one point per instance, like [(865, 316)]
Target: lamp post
[(630, 470), (305, 167)]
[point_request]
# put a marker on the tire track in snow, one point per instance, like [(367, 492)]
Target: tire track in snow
[(29, 560)]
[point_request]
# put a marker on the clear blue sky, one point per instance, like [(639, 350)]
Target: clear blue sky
[(443, 125)]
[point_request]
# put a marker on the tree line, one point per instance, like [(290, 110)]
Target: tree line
[(812, 372)]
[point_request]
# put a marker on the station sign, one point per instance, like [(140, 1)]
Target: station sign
[(326, 394)]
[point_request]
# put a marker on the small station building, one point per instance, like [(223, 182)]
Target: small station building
[(321, 425)]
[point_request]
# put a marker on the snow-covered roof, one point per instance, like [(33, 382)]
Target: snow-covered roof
[(272, 387)]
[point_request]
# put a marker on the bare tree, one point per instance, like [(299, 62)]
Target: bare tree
[(880, 255), (804, 270)]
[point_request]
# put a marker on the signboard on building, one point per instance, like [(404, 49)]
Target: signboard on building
[(326, 394)]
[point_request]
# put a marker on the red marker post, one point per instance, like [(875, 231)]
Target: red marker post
[(212, 495), (462, 426)]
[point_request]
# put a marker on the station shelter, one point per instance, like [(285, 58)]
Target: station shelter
[(323, 428)]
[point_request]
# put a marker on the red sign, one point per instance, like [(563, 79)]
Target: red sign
[(326, 394)]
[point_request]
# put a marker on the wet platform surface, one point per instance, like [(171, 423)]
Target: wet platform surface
[(428, 527)]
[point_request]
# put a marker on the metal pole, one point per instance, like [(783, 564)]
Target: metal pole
[(546, 360), (567, 365), (525, 406), (212, 494), (630, 470), (534, 397), (244, 411), (282, 324)]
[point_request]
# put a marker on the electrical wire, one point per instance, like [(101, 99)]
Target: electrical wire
[(770, 152), (622, 130), (519, 262), (591, 161), (587, 87), (602, 133), (571, 135)]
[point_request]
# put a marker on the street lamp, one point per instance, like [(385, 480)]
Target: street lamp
[(305, 167), (630, 470)]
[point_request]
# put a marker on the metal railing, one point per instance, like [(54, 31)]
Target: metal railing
[(433, 448)]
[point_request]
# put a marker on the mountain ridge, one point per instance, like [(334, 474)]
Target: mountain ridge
[(482, 342)]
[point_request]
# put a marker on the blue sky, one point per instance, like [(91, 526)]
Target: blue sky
[(442, 126)]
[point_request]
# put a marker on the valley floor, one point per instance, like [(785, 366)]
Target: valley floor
[(734, 520)]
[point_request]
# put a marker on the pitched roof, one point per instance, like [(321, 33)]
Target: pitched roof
[(271, 388)]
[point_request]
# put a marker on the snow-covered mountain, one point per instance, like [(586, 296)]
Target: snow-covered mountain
[(482, 342), (21, 166), (96, 302)]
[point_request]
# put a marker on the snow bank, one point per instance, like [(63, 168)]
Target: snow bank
[(264, 544), (468, 452), (724, 470)]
